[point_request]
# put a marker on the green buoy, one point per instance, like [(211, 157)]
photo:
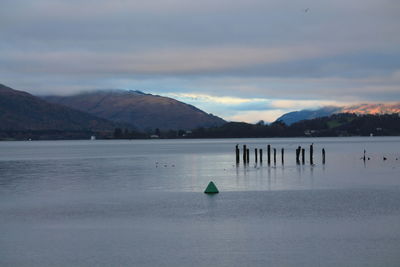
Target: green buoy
[(211, 189)]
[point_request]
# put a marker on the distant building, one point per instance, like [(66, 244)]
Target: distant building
[(309, 132)]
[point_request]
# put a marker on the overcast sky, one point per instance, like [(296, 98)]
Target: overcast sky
[(242, 60)]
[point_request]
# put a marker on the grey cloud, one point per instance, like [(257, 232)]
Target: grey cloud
[(255, 105), (270, 48)]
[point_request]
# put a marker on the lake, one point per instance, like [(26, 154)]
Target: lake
[(141, 203)]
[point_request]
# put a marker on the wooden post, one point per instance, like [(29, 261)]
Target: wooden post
[(303, 156), (323, 156), (237, 154), (256, 154), (282, 155), (298, 150), (269, 154), (261, 154), (244, 154), (274, 156), (311, 154), (364, 155), (248, 155)]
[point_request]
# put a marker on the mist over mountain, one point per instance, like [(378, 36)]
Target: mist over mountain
[(144, 111), (295, 116), (21, 111)]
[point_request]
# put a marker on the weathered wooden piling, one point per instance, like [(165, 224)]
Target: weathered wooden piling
[(248, 155), (323, 156), (283, 155), (298, 150), (312, 154), (261, 155), (237, 154), (364, 155), (269, 154), (274, 156), (303, 156), (244, 154), (256, 154)]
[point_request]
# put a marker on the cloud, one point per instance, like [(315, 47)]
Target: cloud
[(225, 100), (174, 61), (250, 109), (270, 54), (255, 116)]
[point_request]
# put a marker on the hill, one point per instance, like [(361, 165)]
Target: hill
[(21, 111), (360, 109), (144, 111), (295, 116), (372, 109), (343, 124)]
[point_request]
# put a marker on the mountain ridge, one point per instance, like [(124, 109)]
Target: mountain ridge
[(20, 110), (144, 111), (360, 109)]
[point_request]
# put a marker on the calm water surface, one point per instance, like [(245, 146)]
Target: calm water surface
[(140, 203)]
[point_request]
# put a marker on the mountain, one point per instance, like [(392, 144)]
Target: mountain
[(372, 109), (21, 111), (295, 116), (144, 111)]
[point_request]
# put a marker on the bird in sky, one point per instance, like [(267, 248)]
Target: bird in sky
[(306, 10)]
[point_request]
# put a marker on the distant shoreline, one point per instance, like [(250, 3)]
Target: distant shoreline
[(337, 125)]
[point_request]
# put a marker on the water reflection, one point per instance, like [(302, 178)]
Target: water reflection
[(188, 166), (141, 203)]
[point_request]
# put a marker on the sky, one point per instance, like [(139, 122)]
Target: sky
[(245, 60)]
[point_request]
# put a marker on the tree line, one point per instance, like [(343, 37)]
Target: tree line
[(344, 124)]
